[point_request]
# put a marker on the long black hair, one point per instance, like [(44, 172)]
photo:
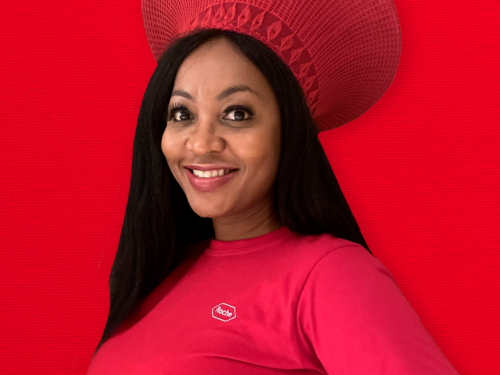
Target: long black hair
[(159, 225)]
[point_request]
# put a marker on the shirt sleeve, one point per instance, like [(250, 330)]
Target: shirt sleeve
[(354, 316)]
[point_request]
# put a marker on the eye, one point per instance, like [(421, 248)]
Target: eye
[(237, 113), (177, 112)]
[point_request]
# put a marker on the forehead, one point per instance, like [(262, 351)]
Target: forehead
[(218, 63)]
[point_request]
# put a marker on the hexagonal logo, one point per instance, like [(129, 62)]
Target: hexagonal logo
[(224, 312)]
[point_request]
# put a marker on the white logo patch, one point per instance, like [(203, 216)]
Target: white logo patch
[(224, 312)]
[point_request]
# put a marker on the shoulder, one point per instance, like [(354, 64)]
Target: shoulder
[(343, 270), (329, 262), (347, 263), (324, 243), (325, 251), (346, 288)]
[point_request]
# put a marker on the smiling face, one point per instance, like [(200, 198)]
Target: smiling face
[(225, 117)]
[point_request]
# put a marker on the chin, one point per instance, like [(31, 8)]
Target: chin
[(207, 212)]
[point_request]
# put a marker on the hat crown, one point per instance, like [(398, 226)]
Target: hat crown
[(269, 29)]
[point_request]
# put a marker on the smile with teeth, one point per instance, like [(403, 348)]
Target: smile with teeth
[(214, 173)]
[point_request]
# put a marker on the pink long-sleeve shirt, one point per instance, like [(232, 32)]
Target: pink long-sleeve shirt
[(280, 303)]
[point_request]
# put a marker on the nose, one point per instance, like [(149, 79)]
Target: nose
[(204, 138)]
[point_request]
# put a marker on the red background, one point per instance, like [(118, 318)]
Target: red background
[(420, 171)]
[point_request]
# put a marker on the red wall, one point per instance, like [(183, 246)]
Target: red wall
[(420, 171)]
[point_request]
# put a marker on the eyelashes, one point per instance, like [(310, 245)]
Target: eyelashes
[(173, 108)]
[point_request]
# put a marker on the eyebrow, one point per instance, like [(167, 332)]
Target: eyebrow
[(224, 94)]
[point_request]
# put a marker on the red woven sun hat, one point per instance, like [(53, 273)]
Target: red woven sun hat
[(344, 53)]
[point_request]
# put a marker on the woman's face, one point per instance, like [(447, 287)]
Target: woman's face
[(229, 120)]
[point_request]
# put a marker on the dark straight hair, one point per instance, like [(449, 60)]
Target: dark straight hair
[(159, 225)]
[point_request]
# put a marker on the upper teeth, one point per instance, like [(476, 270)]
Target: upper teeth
[(214, 173)]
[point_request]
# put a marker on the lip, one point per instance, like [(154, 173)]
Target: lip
[(209, 167), (208, 184)]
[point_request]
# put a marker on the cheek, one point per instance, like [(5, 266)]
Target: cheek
[(272, 143), (170, 149), (264, 160)]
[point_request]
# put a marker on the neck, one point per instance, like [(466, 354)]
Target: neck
[(262, 221)]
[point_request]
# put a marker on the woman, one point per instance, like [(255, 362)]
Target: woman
[(239, 253)]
